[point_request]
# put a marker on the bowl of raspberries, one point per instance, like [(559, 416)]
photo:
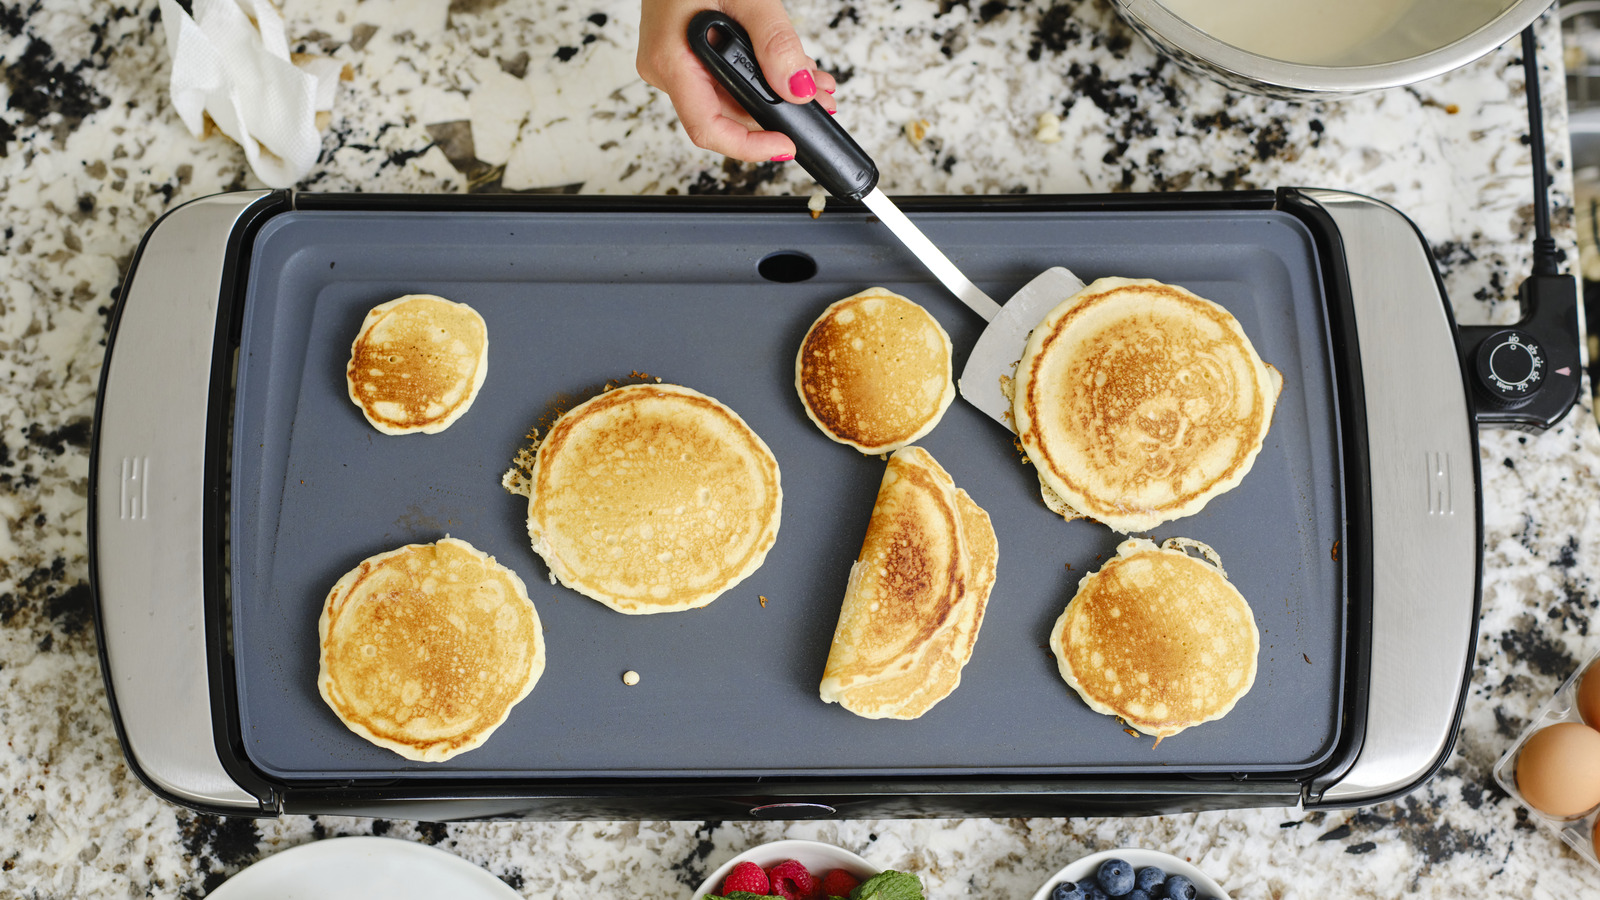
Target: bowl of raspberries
[(1131, 874), (805, 870)]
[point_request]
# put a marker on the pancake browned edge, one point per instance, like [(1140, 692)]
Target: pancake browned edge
[(1138, 402), (874, 371), (425, 649), (1158, 638), (653, 498), (916, 595), (417, 363)]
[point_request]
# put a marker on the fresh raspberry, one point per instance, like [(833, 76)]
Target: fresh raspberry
[(839, 883), (746, 876), (791, 880)]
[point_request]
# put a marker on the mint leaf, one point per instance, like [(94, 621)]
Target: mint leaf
[(889, 885)]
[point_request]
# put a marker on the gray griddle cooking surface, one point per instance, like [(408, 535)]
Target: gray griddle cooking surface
[(573, 300)]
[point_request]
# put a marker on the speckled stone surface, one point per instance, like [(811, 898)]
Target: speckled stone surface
[(529, 94)]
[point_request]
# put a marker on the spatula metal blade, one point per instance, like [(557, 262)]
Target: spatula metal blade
[(994, 357)]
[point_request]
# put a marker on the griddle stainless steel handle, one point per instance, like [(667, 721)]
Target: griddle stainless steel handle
[(147, 536), (822, 147), (1427, 531)]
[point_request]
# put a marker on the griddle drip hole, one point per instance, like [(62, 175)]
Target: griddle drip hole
[(787, 266)]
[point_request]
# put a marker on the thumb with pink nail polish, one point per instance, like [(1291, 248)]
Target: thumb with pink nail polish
[(709, 115), (783, 59)]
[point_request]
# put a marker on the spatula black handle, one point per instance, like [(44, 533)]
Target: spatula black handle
[(822, 147)]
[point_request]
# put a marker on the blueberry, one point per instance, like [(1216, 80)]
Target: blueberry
[(1068, 890), (1180, 888), (1137, 894), (1148, 879), (1093, 891), (1116, 876)]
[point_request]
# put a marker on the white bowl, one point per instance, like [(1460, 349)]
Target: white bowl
[(1429, 38), (1139, 859), (818, 858)]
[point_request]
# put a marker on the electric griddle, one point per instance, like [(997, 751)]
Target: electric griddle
[(233, 482)]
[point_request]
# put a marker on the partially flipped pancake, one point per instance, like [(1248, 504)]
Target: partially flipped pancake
[(425, 649), (417, 363), (916, 595), (1138, 402), (874, 371), (653, 498), (1158, 638)]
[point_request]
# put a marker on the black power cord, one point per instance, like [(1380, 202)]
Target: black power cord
[(1526, 376), (1546, 257)]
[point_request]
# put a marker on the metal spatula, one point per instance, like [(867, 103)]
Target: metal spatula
[(826, 151)]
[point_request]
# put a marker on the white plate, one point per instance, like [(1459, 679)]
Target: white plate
[(1139, 859), (340, 868), (818, 858)]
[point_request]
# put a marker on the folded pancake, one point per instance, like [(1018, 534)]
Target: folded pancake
[(1158, 638), (1138, 402), (425, 649), (916, 595), (417, 363), (653, 498), (874, 371)]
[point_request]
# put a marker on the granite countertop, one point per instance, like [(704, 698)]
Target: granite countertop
[(528, 94)]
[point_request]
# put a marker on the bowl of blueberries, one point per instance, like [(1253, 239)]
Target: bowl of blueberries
[(1130, 874)]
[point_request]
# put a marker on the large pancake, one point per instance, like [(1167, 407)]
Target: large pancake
[(425, 649), (916, 596), (417, 363), (1138, 402), (653, 498), (874, 371), (1158, 638)]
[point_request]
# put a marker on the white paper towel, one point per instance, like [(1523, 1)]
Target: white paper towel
[(231, 62)]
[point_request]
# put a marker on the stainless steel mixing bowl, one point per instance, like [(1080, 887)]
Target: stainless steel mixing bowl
[(1428, 39)]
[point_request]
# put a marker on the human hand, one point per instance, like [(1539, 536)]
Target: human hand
[(710, 116)]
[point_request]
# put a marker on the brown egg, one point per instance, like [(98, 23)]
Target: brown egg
[(1558, 769), (1589, 696)]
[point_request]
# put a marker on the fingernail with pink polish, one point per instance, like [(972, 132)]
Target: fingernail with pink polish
[(802, 85), (833, 112), (783, 157)]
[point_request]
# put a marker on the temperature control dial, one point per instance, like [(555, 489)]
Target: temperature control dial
[(1510, 367)]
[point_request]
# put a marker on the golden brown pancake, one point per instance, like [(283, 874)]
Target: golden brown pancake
[(1138, 402), (1158, 638), (417, 363), (874, 371), (653, 498), (425, 649), (916, 596)]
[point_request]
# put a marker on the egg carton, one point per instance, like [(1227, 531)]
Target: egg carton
[(1577, 832)]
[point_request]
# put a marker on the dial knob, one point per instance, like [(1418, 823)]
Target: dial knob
[(1510, 367)]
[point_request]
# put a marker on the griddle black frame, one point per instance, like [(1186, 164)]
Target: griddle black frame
[(420, 797)]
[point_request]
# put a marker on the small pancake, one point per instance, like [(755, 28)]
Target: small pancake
[(1158, 638), (916, 596), (417, 363), (1138, 402), (874, 371), (653, 498), (425, 649)]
